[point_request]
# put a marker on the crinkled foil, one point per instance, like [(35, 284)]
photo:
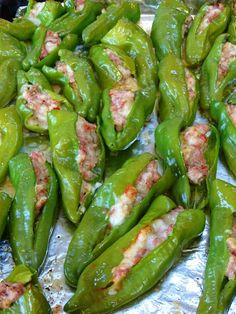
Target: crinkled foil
[(179, 291)]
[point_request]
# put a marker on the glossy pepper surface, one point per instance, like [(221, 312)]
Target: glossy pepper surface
[(34, 208), (119, 194), (44, 12), (8, 82), (218, 71), (101, 288), (67, 150), (30, 299), (40, 55), (221, 113), (93, 33), (76, 21), (142, 92), (36, 98), (167, 28), (80, 87), (209, 23), (219, 283), (11, 47), (11, 138), (169, 145), (179, 91), (5, 204), (20, 28)]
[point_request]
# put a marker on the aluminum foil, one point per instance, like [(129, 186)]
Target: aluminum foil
[(179, 291)]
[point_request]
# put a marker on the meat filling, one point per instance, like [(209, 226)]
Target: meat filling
[(79, 5), (123, 94), (232, 113), (10, 293), (231, 244), (51, 42), (40, 103), (194, 142), (212, 13), (42, 178), (134, 194), (66, 69), (146, 241), (228, 55), (191, 84), (88, 148)]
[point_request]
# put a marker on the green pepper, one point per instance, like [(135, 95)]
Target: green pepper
[(141, 94), (75, 22), (34, 208), (11, 138), (5, 204), (232, 29), (93, 33), (219, 285), (79, 83), (215, 78), (179, 90), (204, 31), (104, 228), (32, 300), (167, 28), (39, 56), (44, 12), (101, 289), (168, 145), (8, 70), (227, 130), (20, 28), (11, 47), (36, 98), (77, 189)]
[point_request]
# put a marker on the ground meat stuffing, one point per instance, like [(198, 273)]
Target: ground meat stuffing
[(231, 244), (88, 148), (232, 113), (42, 178), (10, 293), (212, 13), (228, 55), (134, 194), (194, 142), (40, 103), (146, 241), (66, 69), (79, 5), (52, 41), (191, 84), (123, 94)]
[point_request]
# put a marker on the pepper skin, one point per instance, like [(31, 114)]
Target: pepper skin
[(138, 46), (83, 91), (5, 204), (89, 243), (66, 153), (11, 138), (27, 80), (167, 28), (93, 33), (33, 57), (30, 227), (199, 42), (20, 28), (44, 13), (179, 96), (11, 47), (212, 86), (32, 300), (8, 70), (98, 292), (227, 131), (75, 22), (168, 147), (218, 290)]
